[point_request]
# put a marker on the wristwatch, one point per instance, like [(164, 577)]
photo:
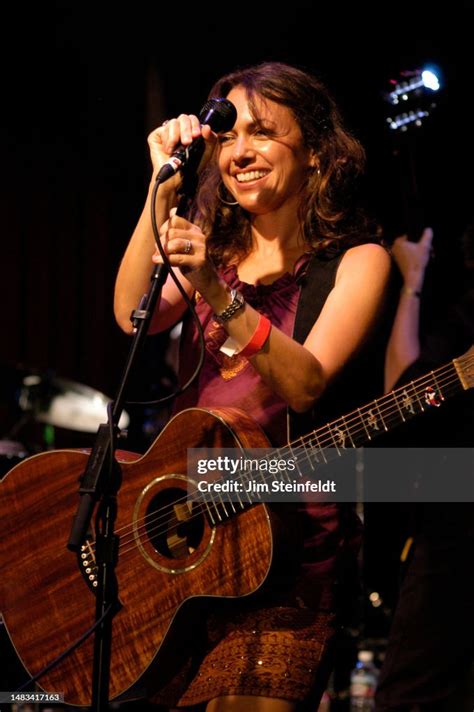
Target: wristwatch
[(237, 302)]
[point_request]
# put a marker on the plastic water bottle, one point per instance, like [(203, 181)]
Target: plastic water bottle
[(363, 682)]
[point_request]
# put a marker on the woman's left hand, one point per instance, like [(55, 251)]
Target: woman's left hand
[(185, 245)]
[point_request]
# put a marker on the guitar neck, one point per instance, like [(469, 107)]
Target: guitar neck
[(353, 430), (387, 412)]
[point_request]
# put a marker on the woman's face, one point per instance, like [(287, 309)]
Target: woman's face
[(263, 162)]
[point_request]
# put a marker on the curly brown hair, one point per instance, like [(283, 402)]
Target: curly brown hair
[(329, 215)]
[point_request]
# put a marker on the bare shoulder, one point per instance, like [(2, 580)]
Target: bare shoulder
[(370, 251), (364, 259)]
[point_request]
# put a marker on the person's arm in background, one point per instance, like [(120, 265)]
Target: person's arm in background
[(404, 343)]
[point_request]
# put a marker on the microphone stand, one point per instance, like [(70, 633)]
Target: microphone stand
[(101, 481)]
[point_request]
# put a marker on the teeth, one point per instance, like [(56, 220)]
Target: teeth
[(251, 175)]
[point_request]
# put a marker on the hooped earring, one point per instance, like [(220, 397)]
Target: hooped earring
[(226, 202), (314, 164)]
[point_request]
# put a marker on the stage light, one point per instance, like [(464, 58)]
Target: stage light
[(430, 80)]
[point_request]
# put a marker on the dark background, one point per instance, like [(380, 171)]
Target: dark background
[(83, 84)]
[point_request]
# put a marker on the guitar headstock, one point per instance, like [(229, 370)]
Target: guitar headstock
[(465, 368), (411, 99), (409, 102)]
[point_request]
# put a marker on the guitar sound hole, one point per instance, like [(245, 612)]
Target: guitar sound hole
[(172, 528)]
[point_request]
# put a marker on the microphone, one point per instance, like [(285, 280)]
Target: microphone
[(221, 115)]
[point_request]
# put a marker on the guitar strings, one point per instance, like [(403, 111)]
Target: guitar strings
[(153, 519), (385, 413), (197, 511), (307, 438)]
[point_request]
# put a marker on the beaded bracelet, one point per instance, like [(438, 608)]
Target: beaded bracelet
[(259, 337)]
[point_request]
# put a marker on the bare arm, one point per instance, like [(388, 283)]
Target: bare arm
[(404, 343), (133, 278), (298, 373)]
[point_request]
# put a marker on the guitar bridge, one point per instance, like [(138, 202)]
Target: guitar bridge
[(88, 565)]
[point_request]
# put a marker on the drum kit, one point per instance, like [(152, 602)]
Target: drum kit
[(41, 411)]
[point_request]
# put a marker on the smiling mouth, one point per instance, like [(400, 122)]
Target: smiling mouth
[(250, 176)]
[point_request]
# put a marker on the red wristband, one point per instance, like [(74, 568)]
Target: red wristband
[(260, 336)]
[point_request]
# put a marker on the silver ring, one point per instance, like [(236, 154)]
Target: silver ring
[(188, 247)]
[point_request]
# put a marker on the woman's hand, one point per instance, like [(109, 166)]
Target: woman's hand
[(164, 140), (133, 278), (412, 258), (185, 246)]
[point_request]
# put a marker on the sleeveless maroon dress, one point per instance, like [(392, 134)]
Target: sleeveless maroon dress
[(271, 646)]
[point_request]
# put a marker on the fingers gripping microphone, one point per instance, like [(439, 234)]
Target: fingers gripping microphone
[(220, 114)]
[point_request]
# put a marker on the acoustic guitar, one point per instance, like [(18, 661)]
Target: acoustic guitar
[(172, 554)]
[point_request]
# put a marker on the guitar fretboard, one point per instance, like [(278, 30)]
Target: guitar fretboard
[(385, 413), (350, 431)]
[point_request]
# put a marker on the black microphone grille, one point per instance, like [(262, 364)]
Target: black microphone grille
[(219, 113)]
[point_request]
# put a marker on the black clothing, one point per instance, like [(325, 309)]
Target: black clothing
[(431, 643)]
